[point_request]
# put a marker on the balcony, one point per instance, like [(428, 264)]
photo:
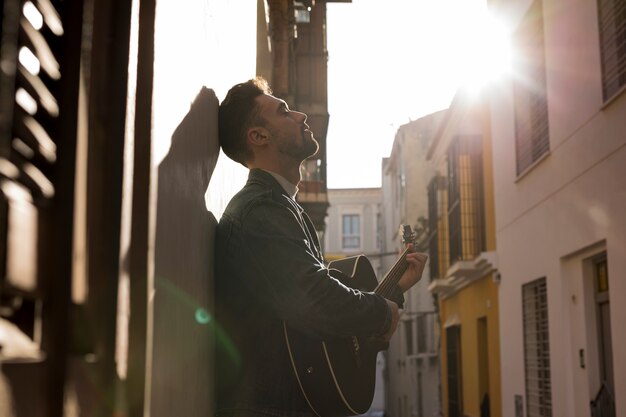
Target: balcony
[(312, 192), (464, 273)]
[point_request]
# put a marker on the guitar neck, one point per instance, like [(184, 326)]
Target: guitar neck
[(387, 285)]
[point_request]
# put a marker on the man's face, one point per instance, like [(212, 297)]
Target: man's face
[(288, 129)]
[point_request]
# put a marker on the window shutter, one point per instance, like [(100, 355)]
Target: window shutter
[(532, 136), (612, 23)]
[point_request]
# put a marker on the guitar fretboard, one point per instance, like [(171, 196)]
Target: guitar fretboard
[(386, 287)]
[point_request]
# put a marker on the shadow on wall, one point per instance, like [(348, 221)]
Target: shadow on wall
[(182, 376)]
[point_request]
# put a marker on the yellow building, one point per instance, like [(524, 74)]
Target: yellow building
[(463, 263)]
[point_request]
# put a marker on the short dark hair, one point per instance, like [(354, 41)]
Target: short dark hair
[(238, 112)]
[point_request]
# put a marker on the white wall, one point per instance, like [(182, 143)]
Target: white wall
[(362, 201), (206, 43), (568, 207)]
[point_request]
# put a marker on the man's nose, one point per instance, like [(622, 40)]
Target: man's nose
[(301, 117)]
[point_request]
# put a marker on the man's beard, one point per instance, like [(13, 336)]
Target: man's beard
[(298, 150)]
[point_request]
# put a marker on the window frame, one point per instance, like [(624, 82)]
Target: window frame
[(532, 124), (351, 235), (608, 46)]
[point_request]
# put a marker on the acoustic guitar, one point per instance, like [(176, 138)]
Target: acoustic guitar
[(338, 376)]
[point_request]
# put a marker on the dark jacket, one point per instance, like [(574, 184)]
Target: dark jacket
[(270, 269)]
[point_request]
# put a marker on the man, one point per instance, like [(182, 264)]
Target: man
[(270, 267)]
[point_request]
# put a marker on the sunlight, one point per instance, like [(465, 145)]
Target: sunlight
[(485, 52)]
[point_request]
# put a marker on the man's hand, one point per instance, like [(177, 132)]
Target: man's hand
[(413, 273)]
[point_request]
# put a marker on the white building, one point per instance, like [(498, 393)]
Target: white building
[(353, 224), (559, 160), (412, 361)]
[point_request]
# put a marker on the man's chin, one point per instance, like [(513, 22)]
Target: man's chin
[(313, 149), (309, 148)]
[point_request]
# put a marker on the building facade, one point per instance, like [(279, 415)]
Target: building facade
[(412, 359), (559, 161), (353, 224), (463, 272)]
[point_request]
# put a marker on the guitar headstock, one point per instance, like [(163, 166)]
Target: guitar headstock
[(407, 234)]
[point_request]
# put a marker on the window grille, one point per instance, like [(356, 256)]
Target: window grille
[(433, 221), (612, 23), (437, 226), (351, 231), (536, 349), (532, 136), (465, 194)]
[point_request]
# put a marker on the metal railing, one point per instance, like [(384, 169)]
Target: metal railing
[(603, 405)]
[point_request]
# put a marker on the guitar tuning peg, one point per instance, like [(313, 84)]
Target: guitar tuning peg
[(407, 234)]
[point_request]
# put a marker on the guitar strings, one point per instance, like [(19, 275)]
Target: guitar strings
[(393, 276)]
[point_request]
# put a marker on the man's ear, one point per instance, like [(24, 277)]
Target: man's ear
[(258, 136)]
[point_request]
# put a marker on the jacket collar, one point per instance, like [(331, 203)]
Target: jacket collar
[(259, 176), (289, 188), (265, 178)]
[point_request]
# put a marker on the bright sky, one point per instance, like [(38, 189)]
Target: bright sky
[(389, 63)]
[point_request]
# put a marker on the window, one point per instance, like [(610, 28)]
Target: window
[(408, 331), (453, 359), (312, 177), (612, 23), (351, 231), (422, 346), (311, 170), (531, 106), (465, 197), (438, 226), (536, 349), (379, 231), (483, 363)]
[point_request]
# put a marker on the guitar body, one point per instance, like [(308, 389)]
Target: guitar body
[(337, 376)]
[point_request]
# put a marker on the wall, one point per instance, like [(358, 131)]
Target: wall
[(464, 308), (362, 201), (565, 209), (212, 44)]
